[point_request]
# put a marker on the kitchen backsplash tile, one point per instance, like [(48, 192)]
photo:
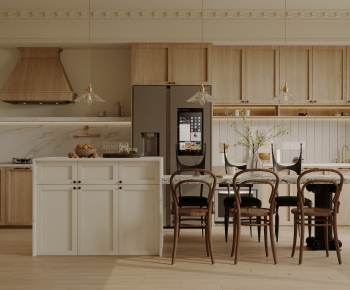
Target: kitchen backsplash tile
[(45, 139)]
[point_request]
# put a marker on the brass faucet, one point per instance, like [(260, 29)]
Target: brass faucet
[(342, 153)]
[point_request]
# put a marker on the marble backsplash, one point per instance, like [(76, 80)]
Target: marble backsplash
[(51, 137)]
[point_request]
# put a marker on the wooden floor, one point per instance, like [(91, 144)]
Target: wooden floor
[(193, 270)]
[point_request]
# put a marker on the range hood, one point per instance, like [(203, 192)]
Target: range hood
[(38, 78)]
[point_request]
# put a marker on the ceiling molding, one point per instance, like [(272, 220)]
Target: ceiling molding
[(174, 15)]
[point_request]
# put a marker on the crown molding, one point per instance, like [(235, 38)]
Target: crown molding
[(174, 15)]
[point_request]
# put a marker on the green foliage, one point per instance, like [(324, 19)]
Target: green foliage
[(254, 141)]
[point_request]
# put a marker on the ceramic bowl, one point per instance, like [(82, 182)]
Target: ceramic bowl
[(265, 157), (84, 152)]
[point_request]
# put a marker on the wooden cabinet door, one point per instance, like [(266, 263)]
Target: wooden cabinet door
[(18, 188), (48, 172), (139, 172), (296, 71), (97, 172), (98, 220), (150, 63), (191, 63), (139, 220), (56, 220), (227, 71), (2, 195), (329, 75), (261, 71)]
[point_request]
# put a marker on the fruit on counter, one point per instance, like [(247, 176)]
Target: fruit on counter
[(85, 146), (70, 154), (94, 155)]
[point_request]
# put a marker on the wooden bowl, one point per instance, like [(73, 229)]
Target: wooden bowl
[(265, 157), (84, 152)]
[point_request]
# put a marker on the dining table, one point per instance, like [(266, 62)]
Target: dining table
[(322, 192)]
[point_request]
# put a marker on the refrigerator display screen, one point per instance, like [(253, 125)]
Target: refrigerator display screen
[(190, 131)]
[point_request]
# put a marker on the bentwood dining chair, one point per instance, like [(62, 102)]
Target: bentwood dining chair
[(230, 199), (254, 216), (284, 200), (190, 199), (321, 217), (185, 216)]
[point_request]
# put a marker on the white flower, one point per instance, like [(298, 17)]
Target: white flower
[(254, 141)]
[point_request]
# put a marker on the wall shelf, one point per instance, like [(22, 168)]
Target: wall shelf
[(282, 110)]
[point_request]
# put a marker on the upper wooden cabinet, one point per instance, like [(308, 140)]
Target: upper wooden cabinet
[(228, 73), (165, 63), (261, 71), (296, 71), (329, 75)]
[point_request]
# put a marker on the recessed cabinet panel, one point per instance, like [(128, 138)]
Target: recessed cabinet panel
[(329, 74), (56, 173), (227, 65), (138, 220), (139, 172), (150, 63), (261, 71), (56, 217), (98, 172), (18, 196), (97, 233), (296, 71)]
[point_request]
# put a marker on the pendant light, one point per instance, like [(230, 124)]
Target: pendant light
[(201, 96), (284, 97), (89, 96)]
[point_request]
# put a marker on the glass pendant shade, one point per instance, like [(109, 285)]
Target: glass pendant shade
[(89, 97), (284, 97), (201, 97)]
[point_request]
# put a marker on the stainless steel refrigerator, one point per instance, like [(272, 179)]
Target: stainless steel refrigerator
[(155, 120)]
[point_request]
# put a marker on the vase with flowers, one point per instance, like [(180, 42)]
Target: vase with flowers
[(254, 140)]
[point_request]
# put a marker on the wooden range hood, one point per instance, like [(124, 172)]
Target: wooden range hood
[(38, 78)]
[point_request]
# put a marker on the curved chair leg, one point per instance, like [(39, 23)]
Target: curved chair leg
[(326, 242), (176, 237), (258, 220), (302, 222), (336, 241), (227, 217), (277, 223), (273, 248)]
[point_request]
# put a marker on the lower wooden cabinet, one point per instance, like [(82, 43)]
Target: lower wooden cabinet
[(16, 196)]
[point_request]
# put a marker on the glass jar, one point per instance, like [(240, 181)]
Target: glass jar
[(254, 162)]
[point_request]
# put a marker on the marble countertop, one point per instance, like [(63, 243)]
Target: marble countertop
[(99, 159), (15, 165)]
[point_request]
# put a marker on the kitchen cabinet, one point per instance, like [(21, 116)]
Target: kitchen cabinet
[(261, 72), (329, 84), (175, 63), (296, 71), (228, 70), (2, 195), (98, 207), (16, 196)]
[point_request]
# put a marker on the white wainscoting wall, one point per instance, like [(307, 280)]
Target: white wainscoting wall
[(324, 138)]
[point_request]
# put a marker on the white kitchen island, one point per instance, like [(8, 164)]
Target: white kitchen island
[(101, 206)]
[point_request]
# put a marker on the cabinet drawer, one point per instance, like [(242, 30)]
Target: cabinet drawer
[(56, 172), (139, 172), (98, 173)]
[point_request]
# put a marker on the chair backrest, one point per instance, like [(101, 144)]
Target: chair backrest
[(269, 177), (294, 167), (307, 182), (228, 164), (209, 181), (180, 165)]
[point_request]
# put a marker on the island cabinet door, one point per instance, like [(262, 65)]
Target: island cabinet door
[(56, 172), (139, 220), (98, 220), (56, 220), (98, 172), (139, 172)]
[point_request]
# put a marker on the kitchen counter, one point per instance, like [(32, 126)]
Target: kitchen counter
[(15, 165), (97, 206)]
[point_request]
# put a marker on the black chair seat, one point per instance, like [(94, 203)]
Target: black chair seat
[(291, 201), (192, 201), (246, 201)]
